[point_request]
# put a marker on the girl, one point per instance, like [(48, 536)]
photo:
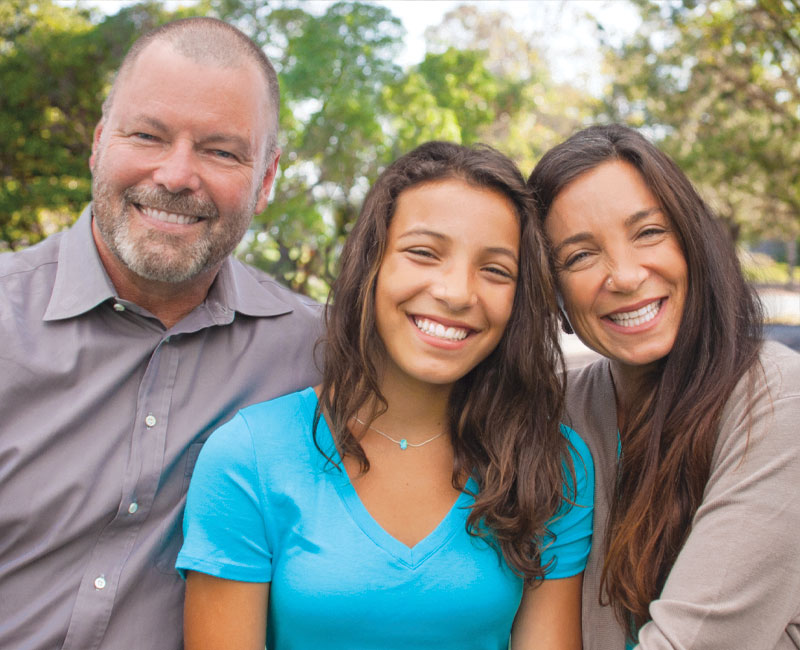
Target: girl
[(424, 495)]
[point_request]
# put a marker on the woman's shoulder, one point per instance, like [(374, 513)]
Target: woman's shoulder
[(590, 406), (764, 407), (780, 369)]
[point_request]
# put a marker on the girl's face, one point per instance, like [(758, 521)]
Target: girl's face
[(621, 270), (446, 284)]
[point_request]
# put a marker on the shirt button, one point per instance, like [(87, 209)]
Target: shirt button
[(100, 582), (133, 507), (119, 307), (150, 420)]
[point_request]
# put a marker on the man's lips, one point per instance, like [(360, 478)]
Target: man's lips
[(168, 217)]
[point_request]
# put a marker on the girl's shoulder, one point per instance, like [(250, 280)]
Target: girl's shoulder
[(279, 427)]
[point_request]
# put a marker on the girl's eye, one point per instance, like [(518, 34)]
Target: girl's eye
[(422, 252), (500, 272)]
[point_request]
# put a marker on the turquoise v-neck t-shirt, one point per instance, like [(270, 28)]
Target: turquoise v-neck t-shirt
[(264, 505)]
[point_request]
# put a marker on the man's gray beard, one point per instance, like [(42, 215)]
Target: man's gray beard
[(143, 255)]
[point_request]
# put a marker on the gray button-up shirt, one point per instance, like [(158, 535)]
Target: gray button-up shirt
[(102, 415)]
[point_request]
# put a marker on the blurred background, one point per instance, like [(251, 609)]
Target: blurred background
[(715, 84)]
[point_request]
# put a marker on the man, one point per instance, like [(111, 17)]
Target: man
[(125, 341)]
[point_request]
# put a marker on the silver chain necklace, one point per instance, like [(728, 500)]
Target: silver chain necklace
[(402, 443)]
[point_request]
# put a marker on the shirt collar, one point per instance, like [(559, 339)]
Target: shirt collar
[(81, 280), (82, 283)]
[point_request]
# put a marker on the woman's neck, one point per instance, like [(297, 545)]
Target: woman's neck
[(630, 384)]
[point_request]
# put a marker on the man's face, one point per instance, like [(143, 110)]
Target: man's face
[(179, 165)]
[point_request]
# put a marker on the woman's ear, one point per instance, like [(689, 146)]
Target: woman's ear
[(565, 324)]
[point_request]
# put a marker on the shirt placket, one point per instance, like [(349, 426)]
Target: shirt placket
[(106, 566)]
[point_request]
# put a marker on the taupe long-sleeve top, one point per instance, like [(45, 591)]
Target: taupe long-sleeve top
[(736, 583)]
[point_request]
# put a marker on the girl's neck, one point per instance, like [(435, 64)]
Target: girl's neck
[(415, 410)]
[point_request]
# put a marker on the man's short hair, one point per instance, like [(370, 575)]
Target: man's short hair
[(208, 40)]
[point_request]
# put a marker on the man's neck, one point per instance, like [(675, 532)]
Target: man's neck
[(170, 302)]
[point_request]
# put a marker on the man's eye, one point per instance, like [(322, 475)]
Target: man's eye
[(144, 136), (219, 153)]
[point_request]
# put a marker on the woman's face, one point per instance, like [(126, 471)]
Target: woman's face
[(621, 271), (446, 284)]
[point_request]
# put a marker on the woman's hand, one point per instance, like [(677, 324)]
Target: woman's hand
[(224, 614), (549, 616)]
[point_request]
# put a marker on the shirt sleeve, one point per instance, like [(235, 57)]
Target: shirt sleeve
[(736, 581), (224, 527), (571, 529)]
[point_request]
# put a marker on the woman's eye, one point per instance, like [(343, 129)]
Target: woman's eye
[(650, 232), (574, 259)]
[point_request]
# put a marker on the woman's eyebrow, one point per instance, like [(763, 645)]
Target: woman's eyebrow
[(640, 214), (577, 238)]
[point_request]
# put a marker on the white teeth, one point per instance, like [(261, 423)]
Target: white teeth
[(634, 318), (169, 217), (440, 331)]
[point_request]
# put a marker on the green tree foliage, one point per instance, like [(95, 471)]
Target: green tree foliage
[(55, 67), (519, 108), (347, 110), (719, 81)]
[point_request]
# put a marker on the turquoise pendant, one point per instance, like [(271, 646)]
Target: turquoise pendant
[(404, 444)]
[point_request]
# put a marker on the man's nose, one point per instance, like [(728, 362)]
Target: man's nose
[(177, 170)]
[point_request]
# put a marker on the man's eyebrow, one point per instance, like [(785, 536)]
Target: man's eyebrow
[(150, 121)]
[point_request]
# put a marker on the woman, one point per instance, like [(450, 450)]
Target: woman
[(691, 418), (407, 501)]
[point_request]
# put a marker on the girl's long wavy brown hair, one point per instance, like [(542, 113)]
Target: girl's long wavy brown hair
[(668, 441), (504, 415)]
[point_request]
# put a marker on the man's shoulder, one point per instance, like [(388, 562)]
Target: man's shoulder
[(29, 260), (277, 292)]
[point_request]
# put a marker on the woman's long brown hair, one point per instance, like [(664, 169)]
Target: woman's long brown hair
[(504, 415), (668, 440)]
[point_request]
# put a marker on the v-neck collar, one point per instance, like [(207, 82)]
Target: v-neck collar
[(414, 556)]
